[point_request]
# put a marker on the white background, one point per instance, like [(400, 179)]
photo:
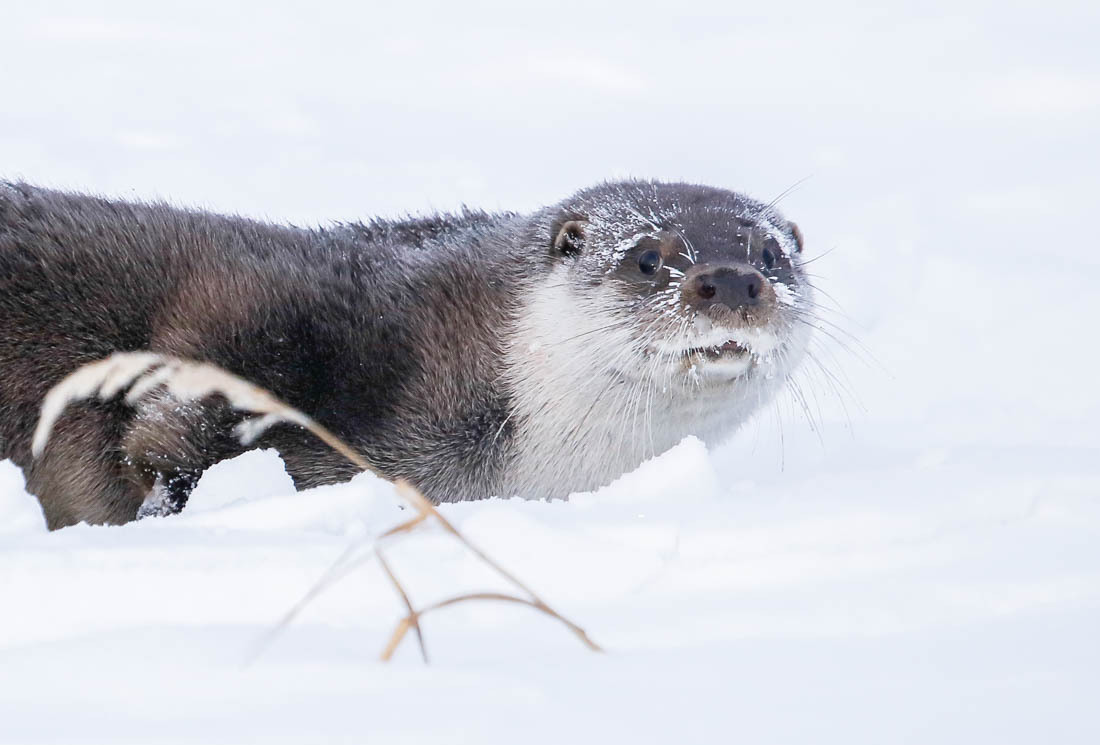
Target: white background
[(923, 568)]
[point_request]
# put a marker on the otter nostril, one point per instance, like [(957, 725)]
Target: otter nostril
[(754, 289), (706, 289)]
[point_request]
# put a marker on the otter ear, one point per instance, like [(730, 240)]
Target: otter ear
[(797, 236), (569, 237)]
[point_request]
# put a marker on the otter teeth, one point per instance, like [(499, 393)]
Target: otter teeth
[(722, 343), (729, 348)]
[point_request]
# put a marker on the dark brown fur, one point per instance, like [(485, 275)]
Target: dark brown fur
[(324, 318), (410, 340)]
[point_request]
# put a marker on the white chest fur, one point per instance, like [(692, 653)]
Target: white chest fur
[(590, 403)]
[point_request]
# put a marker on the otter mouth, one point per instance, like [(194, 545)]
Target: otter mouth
[(728, 350), (721, 355)]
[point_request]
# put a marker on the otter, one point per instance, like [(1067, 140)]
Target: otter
[(473, 354)]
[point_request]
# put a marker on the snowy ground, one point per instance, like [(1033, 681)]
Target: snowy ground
[(922, 568)]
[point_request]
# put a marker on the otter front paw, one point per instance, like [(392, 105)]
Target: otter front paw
[(167, 496)]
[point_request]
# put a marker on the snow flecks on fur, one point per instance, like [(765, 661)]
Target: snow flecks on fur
[(642, 209), (783, 293), (614, 371)]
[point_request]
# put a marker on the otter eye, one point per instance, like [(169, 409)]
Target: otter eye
[(649, 262), (769, 259)]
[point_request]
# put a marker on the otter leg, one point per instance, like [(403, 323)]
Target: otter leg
[(168, 495), (170, 443), (81, 476)]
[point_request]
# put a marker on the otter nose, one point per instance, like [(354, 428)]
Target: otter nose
[(729, 285)]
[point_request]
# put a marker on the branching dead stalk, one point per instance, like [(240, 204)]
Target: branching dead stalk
[(138, 373)]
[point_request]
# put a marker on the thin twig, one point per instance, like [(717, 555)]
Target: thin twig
[(336, 572), (413, 617)]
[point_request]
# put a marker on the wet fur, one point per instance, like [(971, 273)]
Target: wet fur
[(445, 349)]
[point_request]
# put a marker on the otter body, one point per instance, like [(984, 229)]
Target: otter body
[(474, 354)]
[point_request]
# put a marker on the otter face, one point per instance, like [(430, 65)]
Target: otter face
[(651, 312), (706, 282)]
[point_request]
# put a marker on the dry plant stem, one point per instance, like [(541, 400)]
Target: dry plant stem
[(336, 572), (342, 448), (395, 639), (410, 493), (413, 495), (141, 372), (413, 618)]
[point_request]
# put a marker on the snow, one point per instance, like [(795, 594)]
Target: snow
[(923, 565), (906, 598)]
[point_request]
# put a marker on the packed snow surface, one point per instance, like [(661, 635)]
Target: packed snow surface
[(907, 600), (922, 565)]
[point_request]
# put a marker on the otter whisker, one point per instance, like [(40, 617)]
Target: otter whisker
[(800, 398), (842, 392), (841, 387), (692, 255), (817, 290), (782, 436), (789, 190), (625, 323), (862, 354), (819, 256)]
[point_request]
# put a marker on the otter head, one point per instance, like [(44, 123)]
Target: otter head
[(705, 283), (655, 311)]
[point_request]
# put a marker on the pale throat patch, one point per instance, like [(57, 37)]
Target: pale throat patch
[(591, 397)]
